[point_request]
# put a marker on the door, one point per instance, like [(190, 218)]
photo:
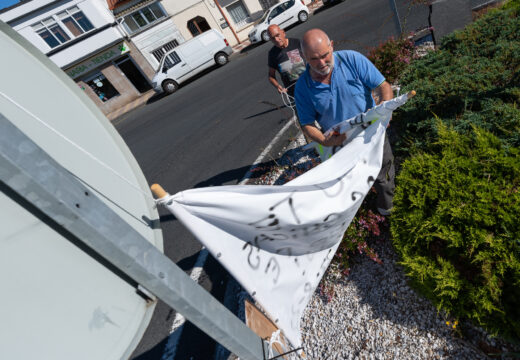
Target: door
[(195, 53), (198, 25), (134, 74), (290, 13), (175, 67), (286, 16), (274, 16)]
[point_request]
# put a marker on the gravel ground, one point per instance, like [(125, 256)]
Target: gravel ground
[(373, 313)]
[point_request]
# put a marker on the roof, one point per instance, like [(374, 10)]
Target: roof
[(112, 4)]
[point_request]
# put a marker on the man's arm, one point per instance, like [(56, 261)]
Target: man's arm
[(316, 135), (274, 82), (383, 92)]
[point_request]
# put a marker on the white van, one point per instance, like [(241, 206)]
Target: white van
[(189, 59)]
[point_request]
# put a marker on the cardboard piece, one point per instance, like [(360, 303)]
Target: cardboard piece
[(261, 325)]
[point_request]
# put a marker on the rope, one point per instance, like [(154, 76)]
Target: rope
[(146, 194), (286, 353), (288, 100), (275, 339)]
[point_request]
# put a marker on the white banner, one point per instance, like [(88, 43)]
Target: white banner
[(277, 241)]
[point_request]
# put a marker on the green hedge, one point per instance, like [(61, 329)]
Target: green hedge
[(456, 227), (456, 219), (474, 79)]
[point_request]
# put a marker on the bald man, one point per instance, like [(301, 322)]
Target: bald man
[(286, 58), (337, 86)]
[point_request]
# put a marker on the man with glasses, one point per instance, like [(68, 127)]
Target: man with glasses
[(335, 87), (286, 58)]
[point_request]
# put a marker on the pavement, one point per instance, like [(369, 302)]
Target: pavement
[(143, 99)]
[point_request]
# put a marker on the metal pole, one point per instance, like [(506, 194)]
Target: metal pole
[(397, 21), (52, 190), (225, 18)]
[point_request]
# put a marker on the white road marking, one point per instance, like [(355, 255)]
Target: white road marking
[(261, 157)]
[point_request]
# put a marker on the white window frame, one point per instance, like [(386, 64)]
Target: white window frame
[(158, 53), (148, 23), (68, 13), (45, 25), (244, 21), (52, 20)]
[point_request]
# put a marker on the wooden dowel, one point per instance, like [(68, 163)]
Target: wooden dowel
[(158, 191)]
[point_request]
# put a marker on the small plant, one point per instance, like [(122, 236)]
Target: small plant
[(392, 57), (326, 290), (365, 226)]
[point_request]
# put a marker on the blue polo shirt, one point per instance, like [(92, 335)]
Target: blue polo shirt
[(349, 93)]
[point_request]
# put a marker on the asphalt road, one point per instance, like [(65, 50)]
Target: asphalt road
[(212, 129)]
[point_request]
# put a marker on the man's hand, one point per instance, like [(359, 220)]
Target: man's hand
[(274, 82), (383, 92), (334, 139), (281, 89)]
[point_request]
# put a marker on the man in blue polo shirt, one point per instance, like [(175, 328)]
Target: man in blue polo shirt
[(337, 86)]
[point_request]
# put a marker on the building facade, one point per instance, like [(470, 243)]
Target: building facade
[(83, 39), (234, 18), (149, 27), (112, 48)]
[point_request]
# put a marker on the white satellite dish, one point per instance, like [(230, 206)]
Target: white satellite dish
[(59, 302)]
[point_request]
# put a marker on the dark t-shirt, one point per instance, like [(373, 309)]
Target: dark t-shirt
[(288, 62)]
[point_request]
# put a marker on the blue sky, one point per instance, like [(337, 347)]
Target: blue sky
[(6, 3)]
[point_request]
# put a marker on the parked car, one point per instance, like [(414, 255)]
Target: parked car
[(189, 59), (283, 14)]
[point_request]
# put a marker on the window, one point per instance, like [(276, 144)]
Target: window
[(266, 4), (102, 87), (143, 17), (171, 60), (52, 32), (238, 13), (75, 21), (159, 53), (198, 25), (288, 4), (276, 11)]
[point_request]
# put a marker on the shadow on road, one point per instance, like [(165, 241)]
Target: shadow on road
[(250, 47), (158, 97), (238, 174), (185, 342), (325, 7), (155, 98), (264, 112)]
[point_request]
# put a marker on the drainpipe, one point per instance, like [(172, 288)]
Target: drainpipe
[(120, 27), (225, 18)]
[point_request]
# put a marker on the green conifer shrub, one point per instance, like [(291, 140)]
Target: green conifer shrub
[(474, 79), (456, 227)]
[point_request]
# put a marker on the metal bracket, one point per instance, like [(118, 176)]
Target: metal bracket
[(29, 171)]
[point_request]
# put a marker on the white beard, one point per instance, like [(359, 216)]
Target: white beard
[(327, 70)]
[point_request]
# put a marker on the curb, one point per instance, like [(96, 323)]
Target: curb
[(131, 105)]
